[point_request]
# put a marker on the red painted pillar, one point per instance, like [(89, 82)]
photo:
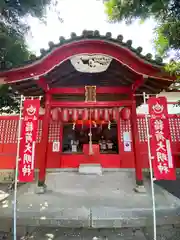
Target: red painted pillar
[(135, 140), (44, 141), (61, 142), (119, 134)]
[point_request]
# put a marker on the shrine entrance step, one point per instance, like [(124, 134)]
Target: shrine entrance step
[(90, 169)]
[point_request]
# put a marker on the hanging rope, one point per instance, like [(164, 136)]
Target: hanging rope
[(90, 136)]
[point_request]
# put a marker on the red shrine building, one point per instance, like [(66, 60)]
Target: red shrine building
[(91, 86)]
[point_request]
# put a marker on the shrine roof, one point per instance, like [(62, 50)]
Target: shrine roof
[(57, 67), (148, 58)]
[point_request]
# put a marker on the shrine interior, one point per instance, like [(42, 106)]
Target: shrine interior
[(75, 136)]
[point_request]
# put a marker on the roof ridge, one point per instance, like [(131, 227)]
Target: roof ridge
[(89, 34)]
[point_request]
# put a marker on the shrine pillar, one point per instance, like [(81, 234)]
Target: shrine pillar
[(61, 140), (119, 131), (44, 142), (137, 153)]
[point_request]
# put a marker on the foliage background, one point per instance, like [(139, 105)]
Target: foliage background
[(13, 47), (166, 13)]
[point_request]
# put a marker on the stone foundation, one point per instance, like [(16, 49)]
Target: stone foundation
[(6, 176), (90, 169)]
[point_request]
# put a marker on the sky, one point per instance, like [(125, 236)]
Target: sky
[(79, 15)]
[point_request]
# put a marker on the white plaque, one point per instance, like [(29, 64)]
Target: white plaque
[(126, 136), (127, 146), (56, 146), (74, 148), (169, 153)]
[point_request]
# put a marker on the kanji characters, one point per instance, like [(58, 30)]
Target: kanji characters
[(163, 168), (158, 125), (159, 136), (27, 159), (27, 118), (28, 148), (161, 146), (161, 157), (26, 170), (34, 118), (28, 137), (29, 127)]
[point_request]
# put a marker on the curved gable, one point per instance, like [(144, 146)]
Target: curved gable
[(89, 43)]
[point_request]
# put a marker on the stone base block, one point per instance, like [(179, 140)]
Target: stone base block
[(40, 190), (140, 189), (90, 169)]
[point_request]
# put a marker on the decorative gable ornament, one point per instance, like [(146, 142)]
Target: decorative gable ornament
[(91, 63)]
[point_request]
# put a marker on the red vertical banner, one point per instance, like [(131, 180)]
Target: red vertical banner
[(160, 140), (28, 140)]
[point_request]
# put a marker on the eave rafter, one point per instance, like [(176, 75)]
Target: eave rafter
[(140, 80), (41, 81), (81, 90), (151, 85)]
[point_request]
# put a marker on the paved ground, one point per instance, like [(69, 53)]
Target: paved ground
[(77, 234), (172, 187), (107, 201), (3, 191), (78, 202), (47, 233)]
